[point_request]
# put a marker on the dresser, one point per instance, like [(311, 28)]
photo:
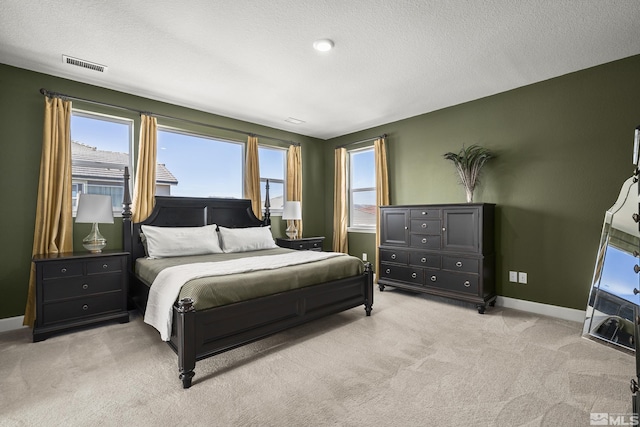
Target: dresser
[(79, 289), (302, 244), (446, 250)]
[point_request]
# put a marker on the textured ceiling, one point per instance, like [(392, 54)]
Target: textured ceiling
[(254, 61)]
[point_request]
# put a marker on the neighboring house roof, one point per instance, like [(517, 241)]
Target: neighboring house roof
[(91, 163)]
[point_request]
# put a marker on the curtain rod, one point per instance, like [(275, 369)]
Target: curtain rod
[(51, 94), (384, 135)]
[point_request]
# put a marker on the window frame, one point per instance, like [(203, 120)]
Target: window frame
[(275, 211), (350, 190), (83, 182), (197, 134)]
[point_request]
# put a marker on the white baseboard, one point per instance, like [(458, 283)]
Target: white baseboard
[(543, 309), (11, 323)]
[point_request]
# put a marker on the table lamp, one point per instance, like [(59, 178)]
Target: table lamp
[(94, 209), (292, 212)]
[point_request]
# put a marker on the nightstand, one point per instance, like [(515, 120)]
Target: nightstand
[(303, 244), (79, 289)]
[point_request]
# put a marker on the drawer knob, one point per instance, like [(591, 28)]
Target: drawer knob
[(424, 225), (300, 246), (444, 229), (414, 275), (388, 270), (423, 260), (64, 270), (424, 213), (459, 264), (424, 240), (105, 266), (393, 256), (434, 278), (406, 228), (467, 284), (85, 307), (85, 286)]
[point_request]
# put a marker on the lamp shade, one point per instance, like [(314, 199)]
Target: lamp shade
[(94, 208), (292, 210)]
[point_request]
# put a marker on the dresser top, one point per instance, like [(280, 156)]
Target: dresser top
[(440, 205)]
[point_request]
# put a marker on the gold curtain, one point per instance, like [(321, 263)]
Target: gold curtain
[(382, 187), (340, 242), (294, 179), (54, 224), (144, 190), (252, 176)]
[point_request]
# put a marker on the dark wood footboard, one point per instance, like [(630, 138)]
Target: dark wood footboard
[(200, 334)]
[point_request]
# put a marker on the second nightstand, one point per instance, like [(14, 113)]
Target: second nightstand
[(303, 244)]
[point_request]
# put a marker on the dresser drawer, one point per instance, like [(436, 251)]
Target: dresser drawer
[(107, 265), (82, 307), (404, 274), (422, 241), (425, 213), (399, 257), (424, 259), (53, 270), (426, 226), (465, 265), (80, 286), (465, 283)]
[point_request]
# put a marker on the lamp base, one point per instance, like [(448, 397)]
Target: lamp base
[(292, 231), (94, 242)]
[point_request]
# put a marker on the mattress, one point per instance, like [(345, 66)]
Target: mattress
[(209, 292)]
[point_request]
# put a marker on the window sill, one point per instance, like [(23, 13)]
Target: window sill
[(361, 230)]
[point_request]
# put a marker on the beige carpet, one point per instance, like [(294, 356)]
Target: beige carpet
[(417, 361)]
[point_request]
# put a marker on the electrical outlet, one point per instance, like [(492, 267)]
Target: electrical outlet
[(522, 278), (364, 256), (513, 276)]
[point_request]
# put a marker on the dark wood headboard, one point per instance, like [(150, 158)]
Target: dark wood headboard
[(188, 212)]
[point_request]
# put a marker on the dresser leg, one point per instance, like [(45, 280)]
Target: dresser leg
[(381, 287), (481, 308)]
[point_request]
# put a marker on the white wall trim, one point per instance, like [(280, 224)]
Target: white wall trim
[(543, 309), (11, 323)]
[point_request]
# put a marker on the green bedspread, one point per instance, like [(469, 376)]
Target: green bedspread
[(215, 291)]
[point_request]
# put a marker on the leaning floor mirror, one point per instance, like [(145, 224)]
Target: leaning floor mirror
[(613, 299)]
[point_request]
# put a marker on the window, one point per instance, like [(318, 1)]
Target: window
[(195, 165), (100, 147), (273, 161), (362, 189)]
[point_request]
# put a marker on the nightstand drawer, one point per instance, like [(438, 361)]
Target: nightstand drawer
[(80, 286), (104, 266), (54, 270), (82, 307), (303, 244)]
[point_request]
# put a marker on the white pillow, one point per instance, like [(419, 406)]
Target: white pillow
[(164, 242), (246, 239)]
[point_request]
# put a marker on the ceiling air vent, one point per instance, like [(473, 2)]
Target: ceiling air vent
[(84, 64)]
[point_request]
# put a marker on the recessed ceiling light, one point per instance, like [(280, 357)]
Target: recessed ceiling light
[(323, 45), (294, 121)]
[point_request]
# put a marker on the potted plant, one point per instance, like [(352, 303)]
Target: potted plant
[(469, 162)]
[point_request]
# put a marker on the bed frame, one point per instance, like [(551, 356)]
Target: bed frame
[(198, 334)]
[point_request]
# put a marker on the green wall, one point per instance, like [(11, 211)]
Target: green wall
[(563, 146), (21, 116), (564, 149)]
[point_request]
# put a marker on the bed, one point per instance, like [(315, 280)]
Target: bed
[(198, 330)]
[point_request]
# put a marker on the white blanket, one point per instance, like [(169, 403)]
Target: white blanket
[(166, 286)]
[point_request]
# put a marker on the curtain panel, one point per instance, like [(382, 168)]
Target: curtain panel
[(382, 188), (294, 179), (144, 190), (53, 231), (252, 176), (340, 242)]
